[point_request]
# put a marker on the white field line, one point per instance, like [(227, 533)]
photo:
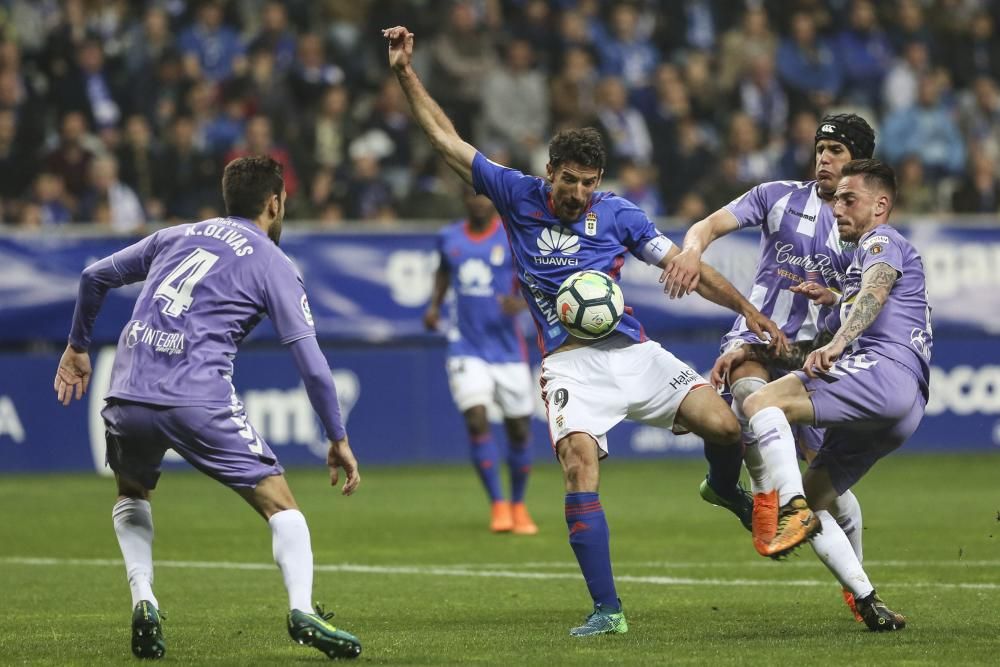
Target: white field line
[(757, 562), (451, 571)]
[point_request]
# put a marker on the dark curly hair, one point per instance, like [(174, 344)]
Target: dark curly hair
[(875, 174), (247, 184), (582, 146)]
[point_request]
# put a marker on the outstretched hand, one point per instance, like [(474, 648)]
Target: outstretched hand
[(815, 292), (400, 46), (765, 329), (822, 359), (682, 274), (341, 456), (719, 377), (72, 376)]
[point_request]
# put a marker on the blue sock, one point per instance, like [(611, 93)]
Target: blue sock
[(588, 535), (725, 463), (484, 457), (519, 461)]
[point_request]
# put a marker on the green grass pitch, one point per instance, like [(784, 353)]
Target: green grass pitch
[(409, 566)]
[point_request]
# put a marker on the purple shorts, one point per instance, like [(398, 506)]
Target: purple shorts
[(869, 405), (217, 440)]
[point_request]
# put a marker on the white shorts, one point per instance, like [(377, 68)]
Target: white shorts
[(590, 389), (474, 381)]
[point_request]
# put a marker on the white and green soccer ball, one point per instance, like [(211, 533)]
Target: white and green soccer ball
[(590, 304)]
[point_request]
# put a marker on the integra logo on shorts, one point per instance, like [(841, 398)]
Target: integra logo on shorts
[(558, 240), (169, 342)]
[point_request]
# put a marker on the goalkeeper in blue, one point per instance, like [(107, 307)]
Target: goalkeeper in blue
[(557, 226)]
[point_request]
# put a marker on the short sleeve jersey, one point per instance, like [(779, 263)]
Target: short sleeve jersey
[(547, 250), (208, 284), (480, 272)]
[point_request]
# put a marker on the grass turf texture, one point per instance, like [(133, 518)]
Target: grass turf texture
[(693, 588)]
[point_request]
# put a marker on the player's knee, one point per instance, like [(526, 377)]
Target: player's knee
[(476, 422), (725, 429), (578, 456), (756, 402), (517, 431), (743, 388)]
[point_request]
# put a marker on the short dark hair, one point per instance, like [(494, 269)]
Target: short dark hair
[(583, 146), (248, 182), (875, 173)]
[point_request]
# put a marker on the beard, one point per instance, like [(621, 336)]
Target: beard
[(274, 231)]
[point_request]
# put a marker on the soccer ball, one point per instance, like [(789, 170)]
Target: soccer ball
[(590, 304)]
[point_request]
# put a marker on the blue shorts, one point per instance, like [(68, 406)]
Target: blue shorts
[(870, 405), (217, 440)]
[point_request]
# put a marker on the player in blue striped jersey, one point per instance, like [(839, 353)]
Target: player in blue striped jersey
[(556, 227), (487, 356)]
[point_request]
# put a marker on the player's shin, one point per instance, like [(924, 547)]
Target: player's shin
[(834, 549), (589, 537), (519, 461), (485, 456), (133, 520), (777, 449), (847, 511), (293, 553), (759, 480)]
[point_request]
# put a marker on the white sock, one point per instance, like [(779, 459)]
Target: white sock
[(777, 450), (760, 482), (133, 519), (293, 554), (834, 549), (847, 511)]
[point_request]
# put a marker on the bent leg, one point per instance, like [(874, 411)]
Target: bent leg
[(588, 528), (832, 545)]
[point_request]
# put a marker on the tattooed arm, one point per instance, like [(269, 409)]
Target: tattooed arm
[(876, 283)]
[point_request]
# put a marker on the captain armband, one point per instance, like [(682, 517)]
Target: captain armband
[(656, 249)]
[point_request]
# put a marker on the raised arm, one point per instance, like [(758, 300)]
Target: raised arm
[(683, 272), (435, 124), (876, 283)]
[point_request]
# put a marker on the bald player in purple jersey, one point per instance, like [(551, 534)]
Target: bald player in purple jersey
[(556, 227), (799, 243), (207, 286), (868, 386)]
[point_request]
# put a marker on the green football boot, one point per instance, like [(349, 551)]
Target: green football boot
[(147, 631), (602, 622), (741, 505), (314, 630)]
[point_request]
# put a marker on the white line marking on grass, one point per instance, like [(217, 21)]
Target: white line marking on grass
[(758, 562), (451, 571)]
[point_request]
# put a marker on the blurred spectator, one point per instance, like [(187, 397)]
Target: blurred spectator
[(275, 37), (573, 33), (626, 53), (211, 49), (259, 140), (627, 135), (916, 196), (754, 163), (927, 130), (390, 118), (798, 159), (188, 177), (743, 44), (29, 110), (434, 195), (70, 159), (53, 206), (148, 42), (330, 129), (17, 169), (461, 56), (864, 54), (159, 94), (534, 25), (637, 186), (265, 91), (369, 196), (980, 189), (326, 199), (807, 65), (687, 165), (573, 90), (724, 183), (976, 53), (979, 117), (762, 98), (703, 93), (903, 81), (691, 208), (312, 74), (137, 157), (911, 26), (124, 211), (89, 89), (515, 104)]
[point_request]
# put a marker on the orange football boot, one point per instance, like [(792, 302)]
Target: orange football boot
[(796, 524), (523, 525), (501, 520), (849, 599), (765, 520)]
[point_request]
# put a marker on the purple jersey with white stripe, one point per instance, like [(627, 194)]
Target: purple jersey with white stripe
[(480, 270), (902, 330), (799, 242), (208, 284), (547, 251)]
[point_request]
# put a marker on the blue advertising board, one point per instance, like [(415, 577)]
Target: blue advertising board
[(399, 409)]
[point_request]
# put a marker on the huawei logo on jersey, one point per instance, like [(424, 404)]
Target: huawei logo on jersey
[(558, 239)]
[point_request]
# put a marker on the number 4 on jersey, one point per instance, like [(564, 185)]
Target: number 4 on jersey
[(176, 288)]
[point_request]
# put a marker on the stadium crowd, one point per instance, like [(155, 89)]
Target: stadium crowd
[(125, 112)]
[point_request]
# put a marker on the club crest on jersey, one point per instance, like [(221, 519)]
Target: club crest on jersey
[(558, 240), (876, 244), (496, 255), (306, 311), (590, 224)]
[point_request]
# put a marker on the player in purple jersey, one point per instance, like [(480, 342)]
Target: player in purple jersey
[(556, 227), (486, 353), (207, 285), (799, 242), (868, 386)]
